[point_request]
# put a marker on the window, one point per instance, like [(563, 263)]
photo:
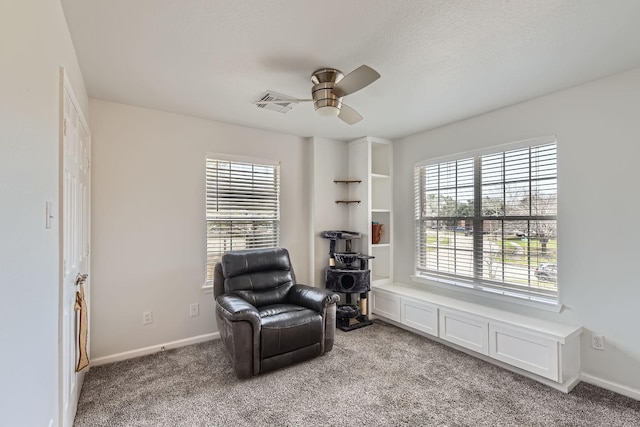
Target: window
[(488, 221), (242, 206)]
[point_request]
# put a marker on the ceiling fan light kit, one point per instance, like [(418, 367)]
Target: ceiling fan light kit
[(328, 111), (329, 87)]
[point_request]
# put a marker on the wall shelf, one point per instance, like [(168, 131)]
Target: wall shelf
[(347, 181)]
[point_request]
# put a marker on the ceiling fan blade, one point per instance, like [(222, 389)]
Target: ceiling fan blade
[(349, 115), (354, 81)]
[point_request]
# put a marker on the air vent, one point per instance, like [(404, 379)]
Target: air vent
[(280, 107)]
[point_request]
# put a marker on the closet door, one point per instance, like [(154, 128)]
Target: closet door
[(75, 203)]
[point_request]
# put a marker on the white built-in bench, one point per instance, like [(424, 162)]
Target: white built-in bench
[(546, 351)]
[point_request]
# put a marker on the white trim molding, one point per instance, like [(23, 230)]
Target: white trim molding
[(154, 349), (611, 386)]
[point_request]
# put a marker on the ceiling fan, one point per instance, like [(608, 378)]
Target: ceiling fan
[(329, 87)]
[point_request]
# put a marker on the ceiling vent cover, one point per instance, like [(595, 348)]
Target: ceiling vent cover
[(281, 107)]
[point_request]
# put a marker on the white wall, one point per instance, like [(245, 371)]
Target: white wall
[(330, 162), (148, 219), (34, 43), (598, 131)]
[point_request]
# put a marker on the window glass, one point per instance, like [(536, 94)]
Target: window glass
[(489, 221), (242, 207)]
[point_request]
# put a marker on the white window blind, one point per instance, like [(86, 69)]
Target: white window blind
[(489, 221), (242, 207)]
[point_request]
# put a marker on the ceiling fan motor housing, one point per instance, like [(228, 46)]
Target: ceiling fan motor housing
[(324, 80)]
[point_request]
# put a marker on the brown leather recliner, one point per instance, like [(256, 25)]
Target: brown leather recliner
[(266, 320)]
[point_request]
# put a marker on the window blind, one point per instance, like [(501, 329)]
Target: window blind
[(242, 207), (489, 221)]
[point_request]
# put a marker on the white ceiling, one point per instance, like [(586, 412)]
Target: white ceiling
[(440, 60)]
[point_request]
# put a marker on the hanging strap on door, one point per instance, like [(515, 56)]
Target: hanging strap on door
[(83, 330)]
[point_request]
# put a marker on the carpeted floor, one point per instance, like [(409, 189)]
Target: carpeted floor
[(379, 375)]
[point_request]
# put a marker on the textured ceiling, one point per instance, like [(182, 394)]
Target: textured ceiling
[(440, 60)]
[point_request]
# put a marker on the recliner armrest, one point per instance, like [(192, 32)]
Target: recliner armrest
[(234, 308), (313, 298)]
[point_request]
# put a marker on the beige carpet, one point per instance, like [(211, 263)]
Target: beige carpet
[(375, 376)]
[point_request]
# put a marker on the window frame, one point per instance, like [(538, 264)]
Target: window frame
[(475, 283), (260, 216)]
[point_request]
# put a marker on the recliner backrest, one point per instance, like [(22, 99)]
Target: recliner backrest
[(259, 276)]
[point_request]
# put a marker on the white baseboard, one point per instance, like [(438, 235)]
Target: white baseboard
[(611, 386), (153, 349)]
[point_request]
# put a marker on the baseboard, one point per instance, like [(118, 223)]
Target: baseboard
[(611, 386), (153, 349)]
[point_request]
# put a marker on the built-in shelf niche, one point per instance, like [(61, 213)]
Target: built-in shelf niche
[(380, 192), (370, 158), (381, 264), (381, 209), (384, 219), (380, 159)]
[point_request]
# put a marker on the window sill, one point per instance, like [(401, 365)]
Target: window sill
[(506, 299), (207, 288)]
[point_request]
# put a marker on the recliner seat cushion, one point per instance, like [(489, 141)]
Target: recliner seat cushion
[(287, 327)]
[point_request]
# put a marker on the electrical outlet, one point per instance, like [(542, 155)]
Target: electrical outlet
[(195, 309), (597, 341), (147, 317)]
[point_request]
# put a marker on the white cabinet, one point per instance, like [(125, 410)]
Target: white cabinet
[(520, 348), (419, 315), (465, 329), (386, 305), (546, 351), (371, 160)]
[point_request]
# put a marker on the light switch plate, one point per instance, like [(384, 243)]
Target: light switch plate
[(49, 214)]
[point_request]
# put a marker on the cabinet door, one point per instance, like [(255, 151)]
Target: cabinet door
[(419, 315), (526, 351), (465, 330), (386, 305)]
